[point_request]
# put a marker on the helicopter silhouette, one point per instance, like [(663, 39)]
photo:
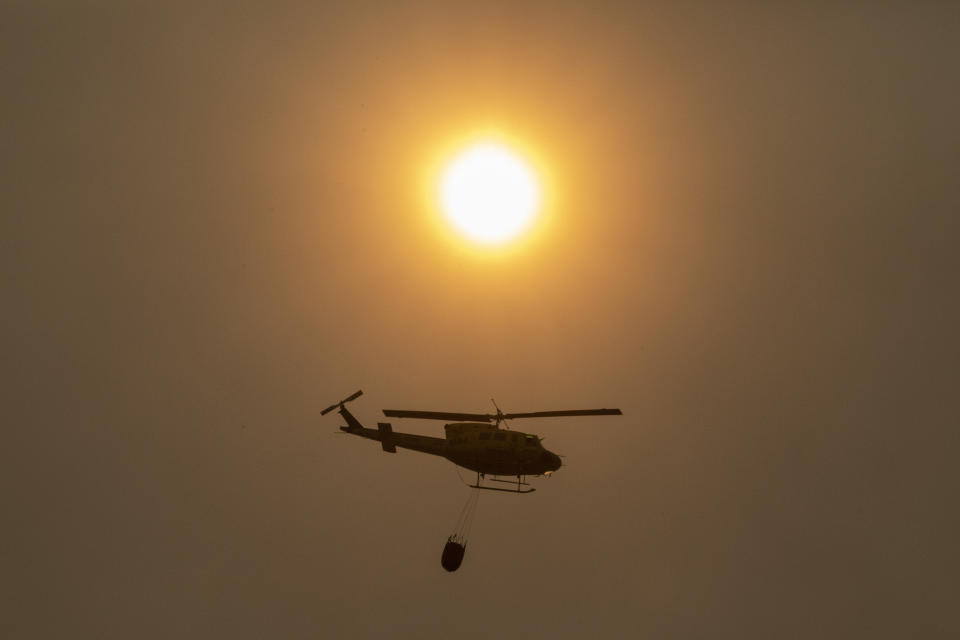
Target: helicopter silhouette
[(474, 441)]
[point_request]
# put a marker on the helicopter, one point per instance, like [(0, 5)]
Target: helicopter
[(474, 441)]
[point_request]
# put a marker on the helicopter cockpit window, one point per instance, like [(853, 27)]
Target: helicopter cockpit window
[(531, 441)]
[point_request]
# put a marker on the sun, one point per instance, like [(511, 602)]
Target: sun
[(489, 194)]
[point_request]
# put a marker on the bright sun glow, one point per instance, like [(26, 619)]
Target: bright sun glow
[(489, 194)]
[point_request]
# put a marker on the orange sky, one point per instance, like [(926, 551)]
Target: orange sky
[(214, 225)]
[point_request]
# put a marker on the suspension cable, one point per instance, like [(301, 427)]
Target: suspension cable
[(466, 517)]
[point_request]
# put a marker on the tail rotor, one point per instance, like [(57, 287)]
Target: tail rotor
[(341, 403)]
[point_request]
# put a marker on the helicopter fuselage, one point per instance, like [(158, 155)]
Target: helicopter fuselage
[(480, 447), (486, 448)]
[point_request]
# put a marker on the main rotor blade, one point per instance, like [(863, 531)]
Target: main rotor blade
[(439, 415), (572, 412)]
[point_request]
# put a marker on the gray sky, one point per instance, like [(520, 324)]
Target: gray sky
[(212, 225)]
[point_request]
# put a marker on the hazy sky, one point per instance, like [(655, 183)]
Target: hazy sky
[(213, 224)]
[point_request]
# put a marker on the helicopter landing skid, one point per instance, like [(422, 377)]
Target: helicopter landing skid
[(518, 483)]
